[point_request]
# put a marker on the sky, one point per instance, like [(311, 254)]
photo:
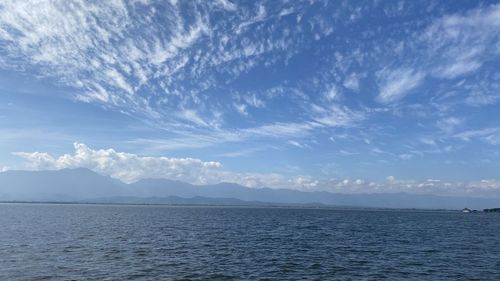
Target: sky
[(342, 96)]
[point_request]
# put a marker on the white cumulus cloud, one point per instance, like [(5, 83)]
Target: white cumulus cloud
[(127, 167)]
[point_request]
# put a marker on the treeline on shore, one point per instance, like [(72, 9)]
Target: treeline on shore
[(494, 210)]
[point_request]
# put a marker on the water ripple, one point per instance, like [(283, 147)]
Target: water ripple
[(93, 242)]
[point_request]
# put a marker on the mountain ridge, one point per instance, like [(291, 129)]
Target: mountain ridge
[(85, 185)]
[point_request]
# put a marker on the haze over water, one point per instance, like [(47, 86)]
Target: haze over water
[(99, 242)]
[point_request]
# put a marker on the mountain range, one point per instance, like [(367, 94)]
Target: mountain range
[(83, 185)]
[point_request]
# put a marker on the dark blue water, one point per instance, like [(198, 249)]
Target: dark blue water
[(92, 242)]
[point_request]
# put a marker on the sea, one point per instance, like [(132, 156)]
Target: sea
[(145, 242)]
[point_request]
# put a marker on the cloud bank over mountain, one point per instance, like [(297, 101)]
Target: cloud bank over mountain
[(83, 185), (130, 168), (125, 166)]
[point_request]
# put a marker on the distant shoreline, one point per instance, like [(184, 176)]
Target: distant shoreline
[(262, 205)]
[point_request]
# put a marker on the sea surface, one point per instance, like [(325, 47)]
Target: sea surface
[(119, 242)]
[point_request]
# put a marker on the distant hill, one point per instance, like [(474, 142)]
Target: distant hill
[(70, 185), (61, 185)]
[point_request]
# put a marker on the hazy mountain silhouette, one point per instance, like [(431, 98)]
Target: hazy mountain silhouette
[(85, 185), (66, 184)]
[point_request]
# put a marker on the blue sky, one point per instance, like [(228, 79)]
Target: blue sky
[(331, 95)]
